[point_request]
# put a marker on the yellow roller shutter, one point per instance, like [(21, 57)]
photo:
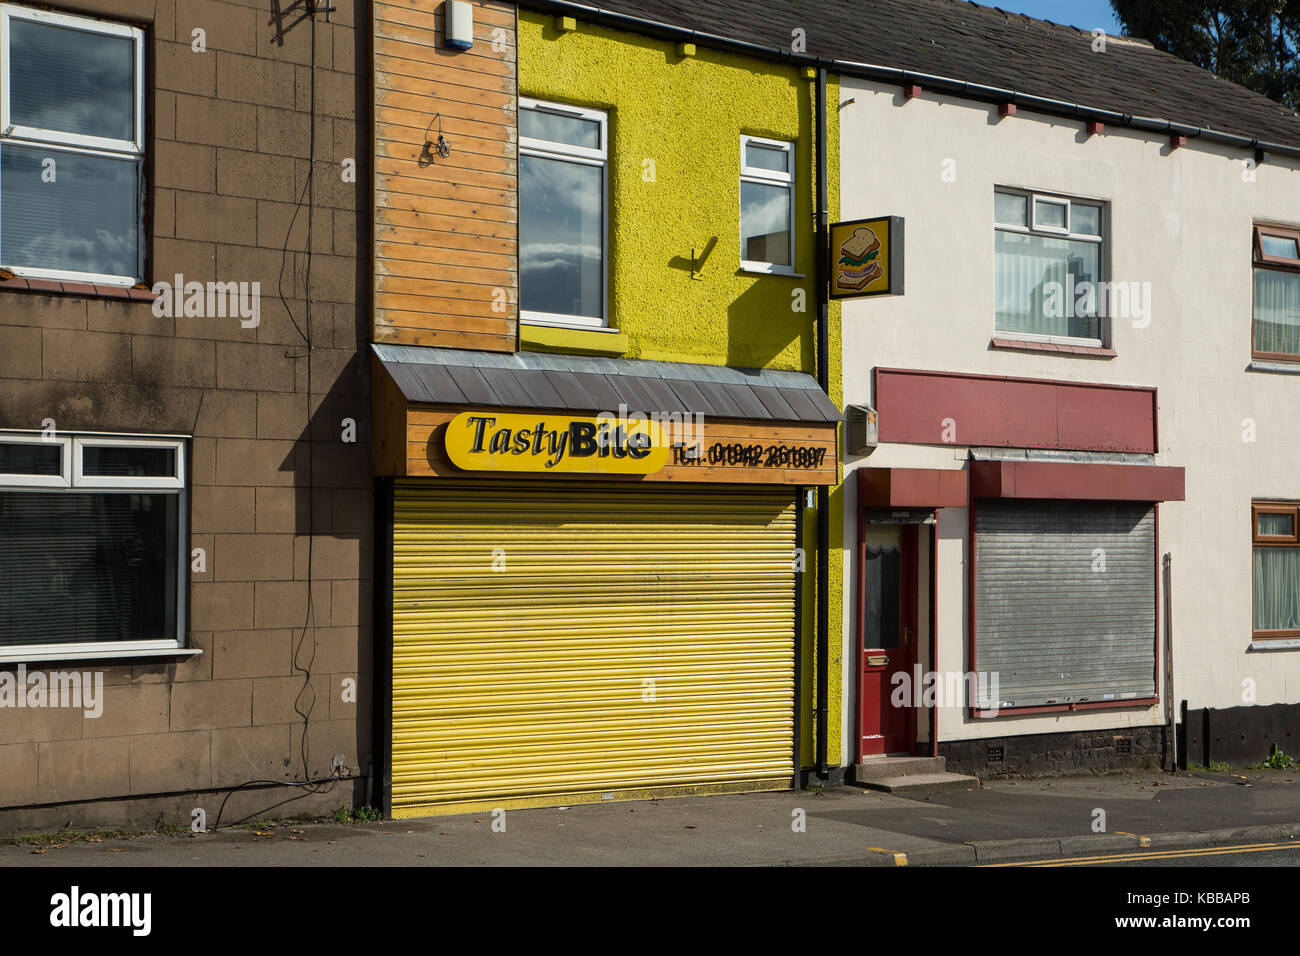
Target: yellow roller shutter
[(558, 644)]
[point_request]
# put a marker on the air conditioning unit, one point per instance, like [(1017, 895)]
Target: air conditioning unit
[(860, 430)]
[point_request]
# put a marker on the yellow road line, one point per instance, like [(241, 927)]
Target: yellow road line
[(1162, 855), (900, 859), (1171, 856), (1127, 853), (1142, 840)]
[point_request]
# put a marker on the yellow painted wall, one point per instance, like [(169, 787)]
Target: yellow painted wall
[(687, 114)]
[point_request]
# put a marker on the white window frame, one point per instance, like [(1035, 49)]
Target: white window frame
[(76, 483), (582, 156), (144, 482), (1054, 232), (61, 141), (768, 177), (62, 480), (1036, 226)]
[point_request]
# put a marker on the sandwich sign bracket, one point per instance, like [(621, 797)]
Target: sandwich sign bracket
[(866, 257)]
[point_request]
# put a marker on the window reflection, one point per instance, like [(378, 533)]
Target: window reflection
[(561, 242), (765, 223), (71, 81), (83, 221)]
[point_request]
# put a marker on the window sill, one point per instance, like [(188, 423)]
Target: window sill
[(571, 340), (1275, 644), (12, 283), (754, 270), (1027, 345), (1278, 368), (1116, 703), (64, 652)]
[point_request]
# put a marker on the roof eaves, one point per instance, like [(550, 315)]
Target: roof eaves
[(962, 89)]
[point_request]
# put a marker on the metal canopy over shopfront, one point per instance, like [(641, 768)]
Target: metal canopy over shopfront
[(582, 384)]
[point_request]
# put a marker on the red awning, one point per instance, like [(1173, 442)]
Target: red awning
[(911, 488), (1075, 481)]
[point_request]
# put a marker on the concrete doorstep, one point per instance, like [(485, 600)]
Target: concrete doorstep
[(909, 775)]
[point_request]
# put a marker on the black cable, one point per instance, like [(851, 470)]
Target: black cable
[(284, 255), (216, 824), (309, 785), (311, 476)]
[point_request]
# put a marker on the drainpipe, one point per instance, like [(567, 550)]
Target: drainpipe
[(1171, 732), (823, 379)]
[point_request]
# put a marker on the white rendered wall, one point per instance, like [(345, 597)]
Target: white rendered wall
[(1178, 219)]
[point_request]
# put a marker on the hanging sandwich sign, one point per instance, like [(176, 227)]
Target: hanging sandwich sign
[(866, 257), (606, 444)]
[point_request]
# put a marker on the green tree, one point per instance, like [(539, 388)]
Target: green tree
[(1250, 42)]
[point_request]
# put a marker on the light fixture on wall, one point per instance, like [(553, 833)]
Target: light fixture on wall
[(442, 148)]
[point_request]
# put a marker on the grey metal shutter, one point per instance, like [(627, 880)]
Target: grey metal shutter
[(1050, 622)]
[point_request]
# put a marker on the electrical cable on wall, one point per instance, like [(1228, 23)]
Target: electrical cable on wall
[(308, 784)]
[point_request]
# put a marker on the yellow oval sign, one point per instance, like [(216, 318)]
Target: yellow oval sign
[(607, 444)]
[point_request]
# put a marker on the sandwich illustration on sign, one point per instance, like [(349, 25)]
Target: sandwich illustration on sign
[(859, 263), (866, 257)]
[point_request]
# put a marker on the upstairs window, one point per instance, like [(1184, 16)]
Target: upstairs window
[(92, 545), (71, 147), (766, 205), (1277, 293), (1275, 535), (1047, 256), (563, 158)]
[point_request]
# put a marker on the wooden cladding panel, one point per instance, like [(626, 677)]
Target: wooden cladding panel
[(429, 220), (394, 253), (388, 413), (426, 456), (387, 331), (446, 231)]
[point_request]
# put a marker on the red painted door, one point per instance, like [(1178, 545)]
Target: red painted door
[(887, 637)]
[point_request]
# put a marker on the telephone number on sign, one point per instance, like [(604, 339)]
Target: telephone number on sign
[(754, 456)]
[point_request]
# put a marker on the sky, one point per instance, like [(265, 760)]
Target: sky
[(1084, 14)]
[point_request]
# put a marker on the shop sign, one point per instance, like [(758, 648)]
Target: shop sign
[(556, 444), (866, 257)]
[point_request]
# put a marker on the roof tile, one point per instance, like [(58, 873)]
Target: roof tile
[(984, 45)]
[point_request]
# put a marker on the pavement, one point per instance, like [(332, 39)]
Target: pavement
[(999, 821)]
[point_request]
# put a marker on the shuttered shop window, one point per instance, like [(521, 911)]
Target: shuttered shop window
[(551, 639), (1065, 601)]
